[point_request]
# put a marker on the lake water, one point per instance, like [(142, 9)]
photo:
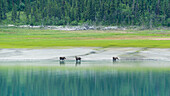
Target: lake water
[(90, 78)]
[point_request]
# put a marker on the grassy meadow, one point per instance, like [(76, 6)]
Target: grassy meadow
[(41, 38)]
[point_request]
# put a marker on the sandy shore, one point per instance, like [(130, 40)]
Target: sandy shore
[(87, 53)]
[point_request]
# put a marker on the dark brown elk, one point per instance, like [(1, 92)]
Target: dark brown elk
[(78, 58), (115, 58), (62, 58)]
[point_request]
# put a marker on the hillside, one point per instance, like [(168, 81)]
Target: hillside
[(147, 13)]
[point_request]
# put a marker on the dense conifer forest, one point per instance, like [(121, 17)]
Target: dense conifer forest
[(74, 12)]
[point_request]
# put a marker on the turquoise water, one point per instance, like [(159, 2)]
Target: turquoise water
[(57, 82)]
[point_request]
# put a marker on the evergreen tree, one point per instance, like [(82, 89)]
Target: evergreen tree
[(107, 12), (0, 11), (4, 9)]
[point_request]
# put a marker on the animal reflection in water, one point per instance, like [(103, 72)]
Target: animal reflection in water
[(62, 60), (78, 63)]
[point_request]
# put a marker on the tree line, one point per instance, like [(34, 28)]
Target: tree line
[(73, 12)]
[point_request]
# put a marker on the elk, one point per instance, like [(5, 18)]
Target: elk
[(78, 58), (62, 58), (115, 58)]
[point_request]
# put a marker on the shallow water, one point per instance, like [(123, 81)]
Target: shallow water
[(133, 63), (27, 78)]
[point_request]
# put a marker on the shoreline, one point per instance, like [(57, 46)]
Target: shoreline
[(87, 53), (84, 27)]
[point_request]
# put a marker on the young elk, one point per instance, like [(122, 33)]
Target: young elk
[(115, 58), (62, 58), (78, 58)]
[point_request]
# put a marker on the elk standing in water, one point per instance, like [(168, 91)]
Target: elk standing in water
[(115, 58), (78, 59), (62, 58)]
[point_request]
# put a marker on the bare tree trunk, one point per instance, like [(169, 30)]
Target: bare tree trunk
[(157, 7), (133, 10), (150, 23), (12, 10), (19, 10), (133, 6)]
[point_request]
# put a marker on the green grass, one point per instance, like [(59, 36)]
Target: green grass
[(38, 38)]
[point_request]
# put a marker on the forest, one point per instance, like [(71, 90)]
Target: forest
[(76, 12)]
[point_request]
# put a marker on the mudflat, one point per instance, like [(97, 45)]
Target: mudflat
[(87, 53)]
